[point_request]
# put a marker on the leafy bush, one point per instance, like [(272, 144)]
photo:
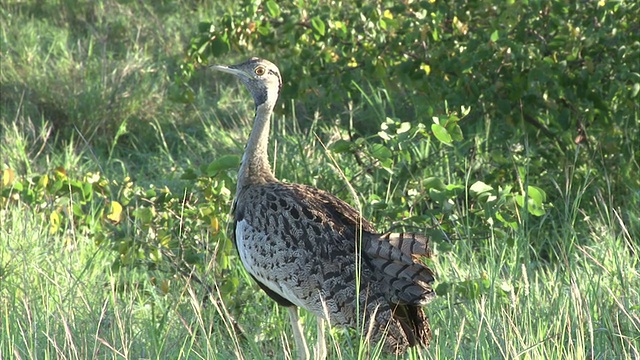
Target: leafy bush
[(548, 84), (561, 77), (150, 228)]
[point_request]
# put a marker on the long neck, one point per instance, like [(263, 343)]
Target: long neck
[(255, 166)]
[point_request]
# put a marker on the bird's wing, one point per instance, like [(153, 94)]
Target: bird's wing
[(396, 259), (393, 266)]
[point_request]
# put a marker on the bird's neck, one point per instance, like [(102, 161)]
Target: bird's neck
[(255, 167)]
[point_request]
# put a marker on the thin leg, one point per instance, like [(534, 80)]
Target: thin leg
[(298, 334), (320, 351)]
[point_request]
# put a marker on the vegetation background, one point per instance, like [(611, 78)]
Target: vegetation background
[(512, 125)]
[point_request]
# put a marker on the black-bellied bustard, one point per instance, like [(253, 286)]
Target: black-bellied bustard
[(307, 248)]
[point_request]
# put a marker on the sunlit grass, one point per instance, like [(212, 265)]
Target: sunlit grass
[(97, 102), (60, 298)]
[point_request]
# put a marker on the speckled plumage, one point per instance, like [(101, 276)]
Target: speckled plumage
[(309, 249)]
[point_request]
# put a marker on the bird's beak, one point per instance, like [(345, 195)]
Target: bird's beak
[(229, 70)]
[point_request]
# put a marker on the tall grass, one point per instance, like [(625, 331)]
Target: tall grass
[(85, 87), (61, 300)]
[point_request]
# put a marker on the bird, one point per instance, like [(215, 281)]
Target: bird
[(306, 248)]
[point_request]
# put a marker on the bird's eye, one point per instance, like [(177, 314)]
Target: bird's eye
[(260, 70)]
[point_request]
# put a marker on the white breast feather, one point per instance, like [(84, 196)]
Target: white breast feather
[(248, 259)]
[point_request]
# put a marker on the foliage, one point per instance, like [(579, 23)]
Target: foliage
[(150, 228), (540, 84), (512, 126), (564, 76), (536, 55)]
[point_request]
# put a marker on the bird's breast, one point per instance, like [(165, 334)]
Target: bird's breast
[(271, 263)]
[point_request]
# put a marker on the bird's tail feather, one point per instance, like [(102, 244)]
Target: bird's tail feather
[(397, 259), (401, 327)]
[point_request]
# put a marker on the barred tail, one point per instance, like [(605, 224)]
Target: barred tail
[(397, 260)]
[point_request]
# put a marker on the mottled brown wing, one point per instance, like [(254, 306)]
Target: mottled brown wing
[(395, 258)]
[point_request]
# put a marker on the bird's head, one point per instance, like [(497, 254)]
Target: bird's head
[(261, 77)]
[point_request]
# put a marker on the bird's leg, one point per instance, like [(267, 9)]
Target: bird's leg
[(298, 334), (320, 351)]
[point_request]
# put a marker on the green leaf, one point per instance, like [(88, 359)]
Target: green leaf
[(189, 174), (455, 131), (206, 27), (273, 8), (145, 214), (383, 135), (77, 210), (87, 191), (219, 46), (439, 196), (225, 162), (264, 29), (495, 36), (537, 195), (380, 152), (534, 201), (442, 246), (383, 24), (341, 146), (434, 183), (455, 187), (441, 134), (57, 186), (479, 187), (18, 186), (318, 25), (512, 224), (404, 127), (443, 288), (42, 181)]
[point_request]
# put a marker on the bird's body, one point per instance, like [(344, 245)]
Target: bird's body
[(307, 248)]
